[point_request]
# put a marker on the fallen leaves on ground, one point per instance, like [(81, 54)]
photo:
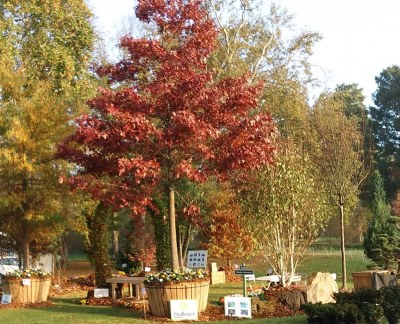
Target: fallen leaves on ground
[(18, 305)]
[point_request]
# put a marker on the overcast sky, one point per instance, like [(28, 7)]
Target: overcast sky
[(360, 37)]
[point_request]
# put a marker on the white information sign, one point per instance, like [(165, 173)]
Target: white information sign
[(101, 292), (26, 282), (143, 292), (237, 306), (184, 309), (6, 299), (197, 259)]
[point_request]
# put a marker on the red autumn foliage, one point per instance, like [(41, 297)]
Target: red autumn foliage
[(141, 243), (164, 116)]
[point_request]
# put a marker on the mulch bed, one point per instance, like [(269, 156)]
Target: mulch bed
[(268, 308), (17, 305)]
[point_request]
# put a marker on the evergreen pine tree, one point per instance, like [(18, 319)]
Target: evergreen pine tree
[(382, 239)]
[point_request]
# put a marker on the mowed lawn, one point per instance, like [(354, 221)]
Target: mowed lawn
[(67, 309)]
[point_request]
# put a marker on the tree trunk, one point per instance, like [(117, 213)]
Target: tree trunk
[(172, 229), (63, 252), (342, 244), (186, 244), (115, 244), (180, 246), (98, 245), (25, 245), (25, 227), (183, 244)]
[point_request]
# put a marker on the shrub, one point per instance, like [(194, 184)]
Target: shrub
[(373, 313), (315, 312), (391, 302), (359, 297)]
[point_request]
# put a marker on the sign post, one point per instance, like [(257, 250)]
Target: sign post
[(243, 271)]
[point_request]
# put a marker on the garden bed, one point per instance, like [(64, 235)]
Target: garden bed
[(268, 308)]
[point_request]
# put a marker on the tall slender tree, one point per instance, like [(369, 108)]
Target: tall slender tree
[(284, 209), (339, 154)]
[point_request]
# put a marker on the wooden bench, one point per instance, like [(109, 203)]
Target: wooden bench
[(128, 280)]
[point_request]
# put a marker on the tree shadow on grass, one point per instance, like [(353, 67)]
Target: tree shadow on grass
[(73, 306)]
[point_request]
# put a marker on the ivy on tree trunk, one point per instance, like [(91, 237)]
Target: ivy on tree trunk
[(98, 244)]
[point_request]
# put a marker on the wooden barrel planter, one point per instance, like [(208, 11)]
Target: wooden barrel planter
[(36, 292), (363, 279), (160, 296)]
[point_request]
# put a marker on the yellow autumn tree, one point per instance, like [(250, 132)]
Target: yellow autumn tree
[(227, 239), (45, 48)]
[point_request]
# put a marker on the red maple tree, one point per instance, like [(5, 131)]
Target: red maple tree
[(164, 116)]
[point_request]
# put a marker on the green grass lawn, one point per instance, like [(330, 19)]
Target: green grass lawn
[(67, 309), (321, 261)]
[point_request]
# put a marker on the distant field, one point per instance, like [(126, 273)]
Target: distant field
[(319, 261), (316, 260)]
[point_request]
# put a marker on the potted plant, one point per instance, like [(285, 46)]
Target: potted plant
[(27, 286), (163, 286), (391, 303)]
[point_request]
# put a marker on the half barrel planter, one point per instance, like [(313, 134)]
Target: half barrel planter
[(36, 292), (160, 296)]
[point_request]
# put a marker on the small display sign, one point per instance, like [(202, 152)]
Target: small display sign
[(184, 309), (6, 299), (197, 259), (101, 292), (26, 282), (237, 306), (244, 272)]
